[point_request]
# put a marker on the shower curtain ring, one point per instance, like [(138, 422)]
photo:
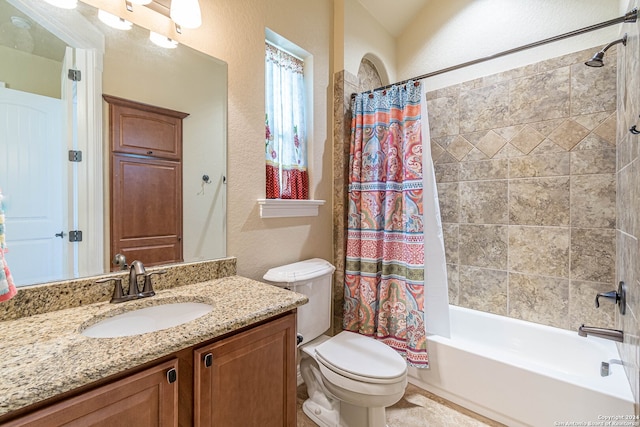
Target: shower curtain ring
[(633, 130)]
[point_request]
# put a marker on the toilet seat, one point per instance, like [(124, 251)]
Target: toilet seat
[(361, 358)]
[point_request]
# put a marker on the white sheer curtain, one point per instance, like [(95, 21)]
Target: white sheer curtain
[(285, 140)]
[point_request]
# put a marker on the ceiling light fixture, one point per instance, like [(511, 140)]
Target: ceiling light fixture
[(20, 22), (162, 41), (114, 21)]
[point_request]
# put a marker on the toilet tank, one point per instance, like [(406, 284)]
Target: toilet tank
[(313, 279)]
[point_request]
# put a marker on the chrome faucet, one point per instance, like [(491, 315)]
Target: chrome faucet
[(609, 334)]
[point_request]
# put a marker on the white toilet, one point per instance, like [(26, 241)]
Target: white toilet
[(350, 378)]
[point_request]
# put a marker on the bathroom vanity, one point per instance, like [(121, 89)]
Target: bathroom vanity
[(232, 366)]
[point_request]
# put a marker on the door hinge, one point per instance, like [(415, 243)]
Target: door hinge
[(74, 75), (75, 236), (75, 155)]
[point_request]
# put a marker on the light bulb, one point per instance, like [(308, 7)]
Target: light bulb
[(114, 21), (162, 41), (186, 13)]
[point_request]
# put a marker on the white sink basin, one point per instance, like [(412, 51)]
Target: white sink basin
[(148, 319)]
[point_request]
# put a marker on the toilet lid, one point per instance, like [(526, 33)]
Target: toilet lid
[(361, 356)]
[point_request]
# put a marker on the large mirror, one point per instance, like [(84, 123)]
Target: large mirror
[(45, 114)]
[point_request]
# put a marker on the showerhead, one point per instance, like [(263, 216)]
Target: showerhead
[(597, 60)]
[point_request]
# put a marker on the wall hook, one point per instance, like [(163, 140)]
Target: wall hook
[(633, 130)]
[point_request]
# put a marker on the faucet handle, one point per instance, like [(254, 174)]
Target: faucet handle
[(148, 291), (619, 297), (613, 295), (118, 293)]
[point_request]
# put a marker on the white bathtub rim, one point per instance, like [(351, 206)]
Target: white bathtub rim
[(616, 385)]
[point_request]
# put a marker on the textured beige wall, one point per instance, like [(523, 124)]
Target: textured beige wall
[(364, 35), (448, 33), (234, 32)]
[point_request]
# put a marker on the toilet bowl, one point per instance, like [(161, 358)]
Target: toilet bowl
[(350, 378), (356, 377)]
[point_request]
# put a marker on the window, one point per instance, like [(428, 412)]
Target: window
[(285, 127)]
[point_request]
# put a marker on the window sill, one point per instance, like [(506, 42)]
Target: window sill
[(283, 208)]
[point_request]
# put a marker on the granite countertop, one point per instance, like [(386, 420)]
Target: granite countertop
[(45, 354)]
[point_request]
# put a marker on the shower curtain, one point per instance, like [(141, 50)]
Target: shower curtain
[(384, 277)]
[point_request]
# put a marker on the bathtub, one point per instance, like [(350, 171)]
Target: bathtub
[(524, 374)]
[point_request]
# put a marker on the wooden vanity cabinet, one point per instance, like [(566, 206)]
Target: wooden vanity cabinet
[(145, 399), (248, 379), (245, 379)]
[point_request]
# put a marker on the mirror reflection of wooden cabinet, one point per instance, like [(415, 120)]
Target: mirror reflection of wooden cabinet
[(146, 181)]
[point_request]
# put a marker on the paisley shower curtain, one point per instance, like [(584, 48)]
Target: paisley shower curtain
[(384, 277)]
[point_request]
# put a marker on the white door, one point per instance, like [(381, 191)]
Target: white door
[(32, 179)]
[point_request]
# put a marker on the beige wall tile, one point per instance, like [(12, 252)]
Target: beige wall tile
[(483, 246), (527, 139), (491, 143), (484, 202), (483, 289), (459, 148), (539, 201), (593, 161), (449, 201), (488, 169), (450, 235), (447, 172), (533, 165), (593, 200), (568, 134), (484, 108), (593, 252), (539, 299), (443, 116), (540, 251), (526, 103), (592, 89)]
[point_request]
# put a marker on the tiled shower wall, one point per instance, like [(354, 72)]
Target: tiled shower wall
[(628, 199), (525, 170)]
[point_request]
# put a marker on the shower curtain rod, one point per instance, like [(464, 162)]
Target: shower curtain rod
[(630, 16)]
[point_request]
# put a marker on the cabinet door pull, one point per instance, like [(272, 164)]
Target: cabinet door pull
[(172, 375), (208, 360)]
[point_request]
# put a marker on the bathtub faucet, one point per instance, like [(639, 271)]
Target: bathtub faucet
[(609, 334)]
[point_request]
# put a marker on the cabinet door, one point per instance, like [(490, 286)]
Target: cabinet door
[(146, 209), (143, 399), (248, 379), (144, 129)]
